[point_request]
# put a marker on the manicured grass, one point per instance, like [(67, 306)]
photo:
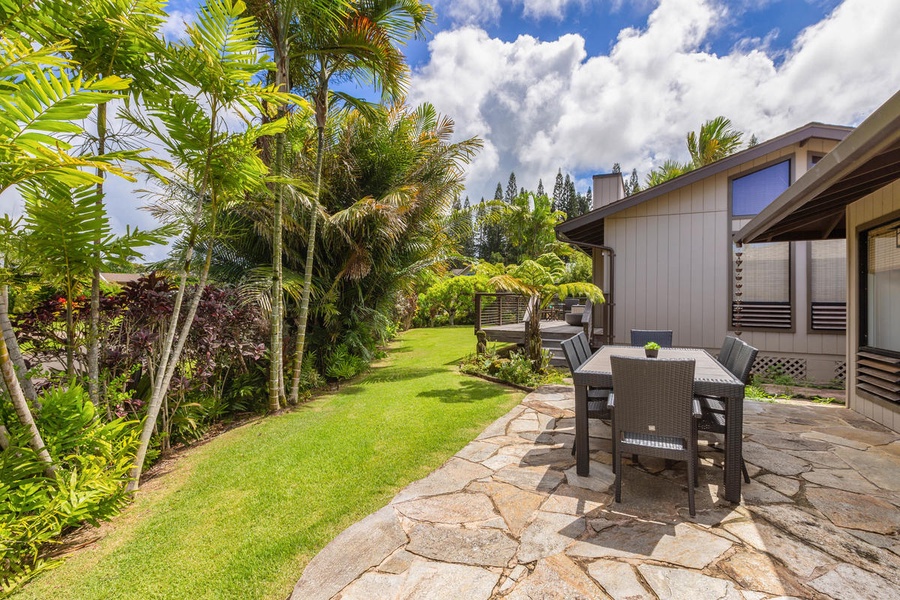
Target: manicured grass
[(240, 516)]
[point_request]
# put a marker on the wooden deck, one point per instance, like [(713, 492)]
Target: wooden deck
[(515, 332)]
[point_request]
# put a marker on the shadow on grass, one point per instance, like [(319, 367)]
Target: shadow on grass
[(388, 374), (467, 392)]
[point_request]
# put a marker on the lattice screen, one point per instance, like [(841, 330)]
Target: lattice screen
[(840, 371), (776, 365)]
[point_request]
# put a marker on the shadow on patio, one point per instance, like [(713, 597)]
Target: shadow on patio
[(507, 517)]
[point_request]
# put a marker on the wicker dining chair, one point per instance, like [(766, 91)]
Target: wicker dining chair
[(713, 419), (727, 352), (576, 351), (656, 414), (663, 337)]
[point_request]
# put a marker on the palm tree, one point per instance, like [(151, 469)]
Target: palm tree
[(212, 75), (41, 95), (715, 140), (104, 44), (668, 170), (64, 225), (529, 221), (362, 45), (280, 22), (541, 280)]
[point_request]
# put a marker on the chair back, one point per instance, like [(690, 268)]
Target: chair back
[(653, 396), (728, 346), (583, 344), (743, 357), (573, 353), (663, 337)]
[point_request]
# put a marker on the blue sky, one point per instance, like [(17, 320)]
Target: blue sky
[(578, 85)]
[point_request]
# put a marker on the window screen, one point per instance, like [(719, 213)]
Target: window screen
[(752, 193), (762, 294), (828, 285), (883, 297)]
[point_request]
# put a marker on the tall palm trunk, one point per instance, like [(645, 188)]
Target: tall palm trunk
[(12, 345), (276, 367), (93, 341), (170, 356), (70, 333), (22, 410), (303, 317)]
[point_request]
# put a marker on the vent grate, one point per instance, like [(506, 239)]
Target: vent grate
[(764, 315), (878, 375), (829, 316)]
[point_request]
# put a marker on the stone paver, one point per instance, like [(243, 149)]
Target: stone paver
[(508, 518), (488, 547)]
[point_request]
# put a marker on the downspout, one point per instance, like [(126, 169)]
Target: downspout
[(608, 332)]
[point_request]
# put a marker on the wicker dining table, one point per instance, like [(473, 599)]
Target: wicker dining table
[(710, 379)]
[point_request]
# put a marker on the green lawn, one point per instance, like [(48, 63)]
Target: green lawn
[(240, 516)]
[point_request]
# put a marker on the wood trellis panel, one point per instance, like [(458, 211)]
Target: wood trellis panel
[(779, 365)]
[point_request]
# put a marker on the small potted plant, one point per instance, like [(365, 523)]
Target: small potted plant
[(651, 349)]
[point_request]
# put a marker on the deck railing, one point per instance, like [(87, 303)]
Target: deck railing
[(498, 308)]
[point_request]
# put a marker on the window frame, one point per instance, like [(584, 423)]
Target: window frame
[(792, 294), (809, 296), (862, 248), (791, 159)]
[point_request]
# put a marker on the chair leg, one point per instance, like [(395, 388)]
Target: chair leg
[(744, 469), (617, 460), (696, 470), (692, 477)]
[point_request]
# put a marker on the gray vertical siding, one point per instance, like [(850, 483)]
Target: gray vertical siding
[(673, 268)]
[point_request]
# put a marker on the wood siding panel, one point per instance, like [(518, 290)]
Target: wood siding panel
[(859, 214), (673, 266)]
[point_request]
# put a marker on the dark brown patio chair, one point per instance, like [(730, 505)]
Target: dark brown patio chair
[(656, 414), (577, 351), (640, 337), (741, 360)]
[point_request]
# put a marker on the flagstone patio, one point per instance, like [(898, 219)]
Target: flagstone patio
[(507, 517)]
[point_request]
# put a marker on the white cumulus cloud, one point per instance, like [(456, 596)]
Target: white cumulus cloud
[(542, 105)]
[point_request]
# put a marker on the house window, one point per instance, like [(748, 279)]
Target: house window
[(882, 290), (828, 285), (761, 293), (878, 368), (814, 159), (752, 193)]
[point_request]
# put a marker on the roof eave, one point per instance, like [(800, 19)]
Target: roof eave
[(796, 136), (874, 135)]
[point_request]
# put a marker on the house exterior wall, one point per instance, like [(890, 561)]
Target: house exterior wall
[(674, 270), (862, 215)]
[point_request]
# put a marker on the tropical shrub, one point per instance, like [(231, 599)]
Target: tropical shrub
[(342, 364), (513, 367), (453, 297), (92, 459)]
